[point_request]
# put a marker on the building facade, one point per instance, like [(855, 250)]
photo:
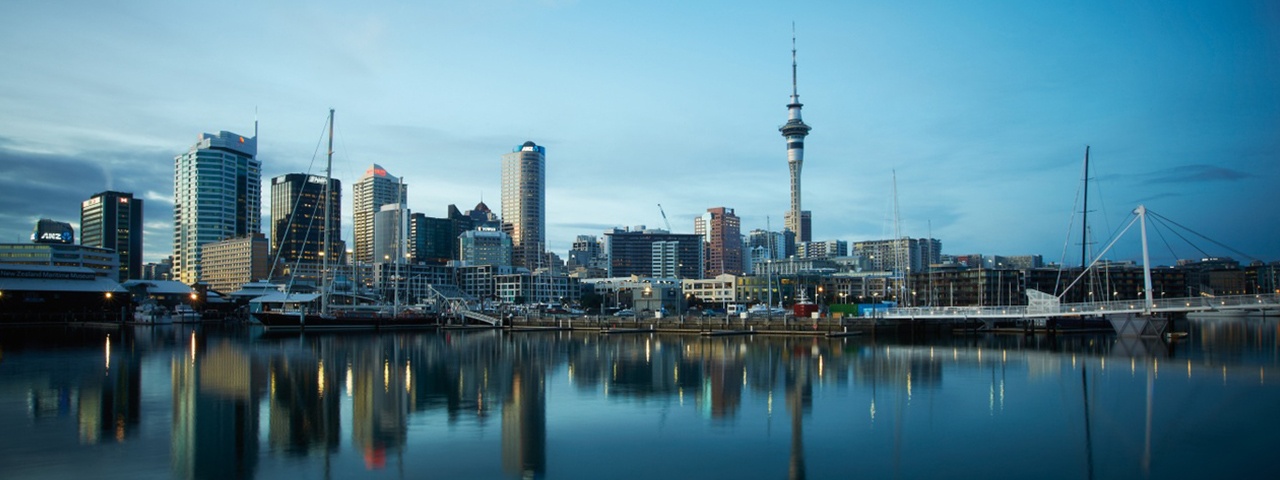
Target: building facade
[(390, 234), (485, 247), (829, 248), (524, 203), (228, 264), (909, 255), (114, 220), (721, 233), (432, 240), (375, 189), (217, 194), (633, 253), (298, 219)]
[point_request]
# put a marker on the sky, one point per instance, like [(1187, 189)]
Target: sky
[(962, 121)]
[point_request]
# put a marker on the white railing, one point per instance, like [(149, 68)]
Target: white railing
[(1166, 305)]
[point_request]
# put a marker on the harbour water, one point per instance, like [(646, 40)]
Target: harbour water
[(221, 402)]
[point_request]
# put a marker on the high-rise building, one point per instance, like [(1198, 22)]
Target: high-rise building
[(827, 249), (217, 194), (907, 255), (114, 220), (375, 189), (432, 240), (390, 234), (297, 219), (524, 203), (794, 131), (721, 232), (654, 253)]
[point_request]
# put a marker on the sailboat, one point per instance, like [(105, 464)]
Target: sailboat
[(293, 314)]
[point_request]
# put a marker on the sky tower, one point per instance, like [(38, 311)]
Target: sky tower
[(796, 220)]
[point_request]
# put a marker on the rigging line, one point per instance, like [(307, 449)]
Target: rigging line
[(1198, 234), (1132, 221), (294, 210), (1071, 226)]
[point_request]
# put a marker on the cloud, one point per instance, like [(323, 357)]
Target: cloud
[(1196, 174), (39, 184)]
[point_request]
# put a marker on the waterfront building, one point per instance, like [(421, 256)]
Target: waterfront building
[(478, 280), (53, 244), (375, 189), (485, 247), (900, 255), (718, 290), (1214, 276), (114, 220), (390, 234), (795, 130), (1263, 277), (298, 219), (721, 235), (524, 287), (216, 195), (653, 253), (524, 203), (230, 263), (45, 291), (413, 283)]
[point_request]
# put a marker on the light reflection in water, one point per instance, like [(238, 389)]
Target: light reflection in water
[(493, 404)]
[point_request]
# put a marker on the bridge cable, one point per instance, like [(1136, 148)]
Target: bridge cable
[(1198, 234)]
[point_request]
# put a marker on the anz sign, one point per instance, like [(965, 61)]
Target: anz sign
[(48, 231)]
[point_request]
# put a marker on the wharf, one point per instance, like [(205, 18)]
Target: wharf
[(722, 333)]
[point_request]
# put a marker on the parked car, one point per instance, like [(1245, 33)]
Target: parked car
[(626, 312)]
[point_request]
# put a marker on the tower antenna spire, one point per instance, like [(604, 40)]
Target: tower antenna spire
[(794, 92)]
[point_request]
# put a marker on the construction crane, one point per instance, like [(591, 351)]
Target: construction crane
[(664, 217)]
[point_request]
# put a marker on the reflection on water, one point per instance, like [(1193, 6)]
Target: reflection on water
[(208, 403)]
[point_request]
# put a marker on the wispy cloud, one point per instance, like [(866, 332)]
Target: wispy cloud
[(1195, 174)]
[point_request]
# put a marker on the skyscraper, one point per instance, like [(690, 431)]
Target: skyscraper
[(297, 218), (217, 194), (375, 189), (794, 131), (524, 203), (114, 220), (721, 233)]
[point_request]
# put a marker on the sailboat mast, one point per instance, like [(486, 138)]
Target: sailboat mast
[(1084, 224), (324, 253)]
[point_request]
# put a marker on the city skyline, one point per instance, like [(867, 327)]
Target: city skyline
[(982, 112)]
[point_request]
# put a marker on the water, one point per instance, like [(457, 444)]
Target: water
[(166, 402)]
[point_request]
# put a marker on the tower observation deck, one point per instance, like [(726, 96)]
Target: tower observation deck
[(794, 131)]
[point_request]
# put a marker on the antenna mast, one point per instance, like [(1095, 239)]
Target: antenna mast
[(324, 253)]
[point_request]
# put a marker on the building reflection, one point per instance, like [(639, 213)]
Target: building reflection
[(215, 414), (358, 395), (380, 387), (524, 424)]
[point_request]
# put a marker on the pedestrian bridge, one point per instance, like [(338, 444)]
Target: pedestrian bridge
[(1041, 307)]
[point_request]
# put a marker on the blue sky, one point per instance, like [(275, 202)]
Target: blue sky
[(982, 110)]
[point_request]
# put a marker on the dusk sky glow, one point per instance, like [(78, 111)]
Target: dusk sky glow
[(981, 110)]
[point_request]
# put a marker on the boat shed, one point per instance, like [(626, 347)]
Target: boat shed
[(38, 293)]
